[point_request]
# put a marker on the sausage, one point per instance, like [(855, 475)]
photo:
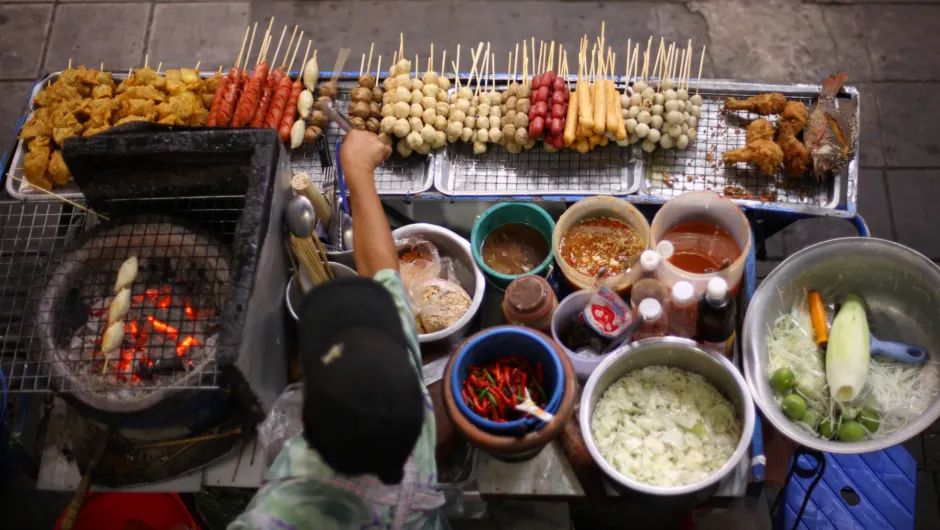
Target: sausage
[(571, 121), (269, 85), (541, 108), (613, 97), (557, 126), (542, 94), (536, 82), (248, 104), (600, 107), (278, 103), (287, 119), (230, 98), (585, 108), (536, 127), (559, 110), (217, 101)]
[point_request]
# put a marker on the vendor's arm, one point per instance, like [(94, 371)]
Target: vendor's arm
[(373, 246)]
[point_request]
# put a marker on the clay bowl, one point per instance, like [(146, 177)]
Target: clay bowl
[(506, 447)]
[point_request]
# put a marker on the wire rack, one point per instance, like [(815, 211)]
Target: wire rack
[(57, 279), (673, 172), (397, 176), (610, 170)]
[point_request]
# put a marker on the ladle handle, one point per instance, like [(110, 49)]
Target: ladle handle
[(907, 353), (341, 180), (334, 115)]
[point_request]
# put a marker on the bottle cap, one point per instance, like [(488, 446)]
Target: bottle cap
[(649, 260), (717, 288), (650, 309), (666, 249), (529, 297), (682, 292)]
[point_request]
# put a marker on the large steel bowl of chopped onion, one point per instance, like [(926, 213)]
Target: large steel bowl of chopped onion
[(685, 355), (901, 291)]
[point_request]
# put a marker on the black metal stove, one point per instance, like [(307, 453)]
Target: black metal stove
[(205, 339)]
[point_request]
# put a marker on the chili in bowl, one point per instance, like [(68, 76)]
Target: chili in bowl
[(493, 368)]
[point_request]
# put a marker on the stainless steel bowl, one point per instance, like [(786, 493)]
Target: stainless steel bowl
[(451, 245), (900, 288), (293, 295), (678, 353)]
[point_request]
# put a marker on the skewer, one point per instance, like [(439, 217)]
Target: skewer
[(593, 62), (146, 60), (700, 62), (194, 68), (70, 64), (378, 67), (401, 46), (456, 71), (567, 77), (688, 68), (493, 73), (250, 44), (369, 64), (551, 57), (102, 67), (430, 59), (659, 58), (532, 48), (57, 196), (294, 56), (306, 54), (443, 61), (515, 64), (626, 72), (362, 64), (289, 44), (265, 41), (277, 51)]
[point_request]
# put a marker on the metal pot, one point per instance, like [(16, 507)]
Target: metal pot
[(293, 295), (469, 275), (679, 353), (900, 288)]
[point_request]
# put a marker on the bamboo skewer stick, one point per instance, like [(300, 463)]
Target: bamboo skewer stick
[(238, 61), (57, 196), (444, 62), (277, 51), (250, 44), (701, 61), (233, 432), (289, 44), (369, 64)]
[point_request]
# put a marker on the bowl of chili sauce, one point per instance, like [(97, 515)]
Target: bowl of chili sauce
[(492, 369)]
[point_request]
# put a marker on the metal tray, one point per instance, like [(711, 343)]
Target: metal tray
[(25, 192), (699, 168), (397, 176)]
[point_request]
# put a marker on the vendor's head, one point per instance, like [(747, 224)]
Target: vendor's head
[(363, 408)]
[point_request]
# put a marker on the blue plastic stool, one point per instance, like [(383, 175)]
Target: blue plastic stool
[(869, 491)]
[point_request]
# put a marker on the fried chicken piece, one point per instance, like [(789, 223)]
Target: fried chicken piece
[(36, 161), (199, 118), (138, 107), (129, 119), (145, 92), (171, 119), (58, 92), (764, 153), (102, 91), (207, 99), (763, 104), (65, 125), (97, 78), (72, 76), (795, 156), (37, 125), (58, 170), (759, 129), (190, 76), (184, 105), (96, 112), (212, 83), (793, 118), (96, 130)]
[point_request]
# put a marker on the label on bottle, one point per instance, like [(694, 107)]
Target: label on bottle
[(607, 313), (725, 348)]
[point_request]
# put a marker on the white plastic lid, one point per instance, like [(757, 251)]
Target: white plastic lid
[(649, 260), (666, 249), (717, 288), (650, 309), (682, 292)]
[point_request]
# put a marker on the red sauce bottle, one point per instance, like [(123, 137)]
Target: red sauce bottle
[(654, 321)]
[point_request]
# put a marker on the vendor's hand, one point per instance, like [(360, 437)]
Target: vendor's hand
[(361, 153)]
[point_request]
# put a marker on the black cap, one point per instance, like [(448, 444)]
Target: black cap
[(363, 408)]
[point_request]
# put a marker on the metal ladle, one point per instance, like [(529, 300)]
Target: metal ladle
[(300, 218)]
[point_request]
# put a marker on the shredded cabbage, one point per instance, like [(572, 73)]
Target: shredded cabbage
[(665, 426), (898, 391)]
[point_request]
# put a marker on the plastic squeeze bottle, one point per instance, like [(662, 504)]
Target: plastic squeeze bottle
[(716, 318), (648, 286), (654, 322), (682, 310)]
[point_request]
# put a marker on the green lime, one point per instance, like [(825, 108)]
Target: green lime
[(794, 406), (851, 431), (826, 429), (870, 419), (811, 418), (782, 380)]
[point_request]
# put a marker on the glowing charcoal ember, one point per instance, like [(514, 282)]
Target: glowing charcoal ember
[(185, 344)]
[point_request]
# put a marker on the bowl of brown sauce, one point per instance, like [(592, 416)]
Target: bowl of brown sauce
[(711, 237), (512, 239), (600, 234)]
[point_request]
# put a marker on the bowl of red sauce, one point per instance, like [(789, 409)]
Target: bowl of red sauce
[(600, 233), (711, 238)]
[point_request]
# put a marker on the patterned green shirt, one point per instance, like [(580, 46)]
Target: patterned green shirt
[(301, 490)]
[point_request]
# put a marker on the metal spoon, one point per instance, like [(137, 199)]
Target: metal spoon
[(300, 218)]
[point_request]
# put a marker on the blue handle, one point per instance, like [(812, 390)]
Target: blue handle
[(341, 181), (907, 353)]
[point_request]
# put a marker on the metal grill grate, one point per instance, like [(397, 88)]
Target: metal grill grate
[(397, 176), (605, 170), (56, 279), (700, 168)]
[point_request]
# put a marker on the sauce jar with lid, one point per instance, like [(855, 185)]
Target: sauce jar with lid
[(529, 301)]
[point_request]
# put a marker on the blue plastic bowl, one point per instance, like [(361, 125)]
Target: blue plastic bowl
[(503, 341)]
